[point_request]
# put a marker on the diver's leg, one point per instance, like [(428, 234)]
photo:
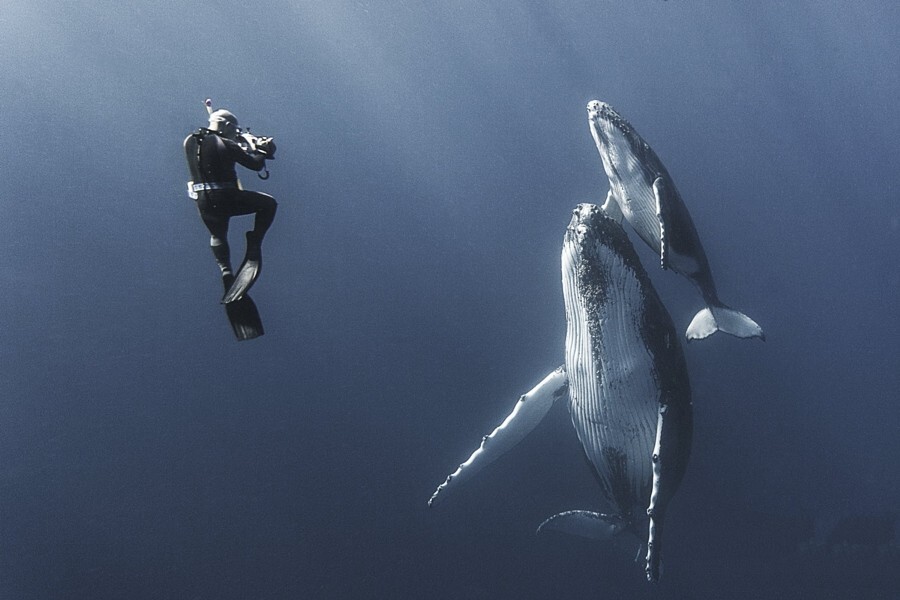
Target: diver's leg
[(222, 254), (218, 243), (265, 214), (263, 206)]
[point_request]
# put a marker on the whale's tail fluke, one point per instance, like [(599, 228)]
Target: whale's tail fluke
[(584, 523), (721, 318)]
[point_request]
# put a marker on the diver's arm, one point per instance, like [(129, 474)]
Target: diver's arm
[(252, 159)]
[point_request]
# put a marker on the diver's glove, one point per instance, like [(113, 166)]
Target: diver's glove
[(266, 145)]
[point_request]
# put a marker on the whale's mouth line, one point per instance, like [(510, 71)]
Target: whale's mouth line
[(572, 248), (608, 124)]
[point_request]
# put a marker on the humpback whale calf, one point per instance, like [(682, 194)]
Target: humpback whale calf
[(627, 386), (641, 190)]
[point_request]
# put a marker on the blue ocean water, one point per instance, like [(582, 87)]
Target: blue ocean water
[(430, 154)]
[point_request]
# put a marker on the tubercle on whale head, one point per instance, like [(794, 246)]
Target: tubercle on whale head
[(585, 214), (603, 117), (591, 232), (583, 225), (595, 108)]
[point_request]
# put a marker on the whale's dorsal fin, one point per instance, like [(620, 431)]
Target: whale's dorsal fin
[(661, 191), (528, 412)]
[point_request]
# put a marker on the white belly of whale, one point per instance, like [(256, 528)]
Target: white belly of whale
[(613, 403)]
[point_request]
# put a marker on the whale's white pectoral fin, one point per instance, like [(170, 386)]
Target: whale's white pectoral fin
[(612, 209), (670, 452), (660, 191), (528, 412), (721, 318), (584, 523)]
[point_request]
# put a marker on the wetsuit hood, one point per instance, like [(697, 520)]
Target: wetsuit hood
[(223, 121)]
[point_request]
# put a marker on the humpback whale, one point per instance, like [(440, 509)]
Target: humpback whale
[(627, 387), (641, 191)]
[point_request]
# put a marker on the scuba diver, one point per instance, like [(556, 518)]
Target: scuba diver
[(211, 154)]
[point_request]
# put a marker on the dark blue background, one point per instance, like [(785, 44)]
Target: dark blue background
[(430, 154)]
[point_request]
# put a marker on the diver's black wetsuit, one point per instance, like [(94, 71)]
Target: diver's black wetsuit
[(211, 159)]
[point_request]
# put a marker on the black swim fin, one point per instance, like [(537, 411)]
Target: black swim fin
[(248, 272), (244, 280), (244, 319)]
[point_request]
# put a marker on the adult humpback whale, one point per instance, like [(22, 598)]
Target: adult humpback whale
[(627, 386), (641, 190)]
